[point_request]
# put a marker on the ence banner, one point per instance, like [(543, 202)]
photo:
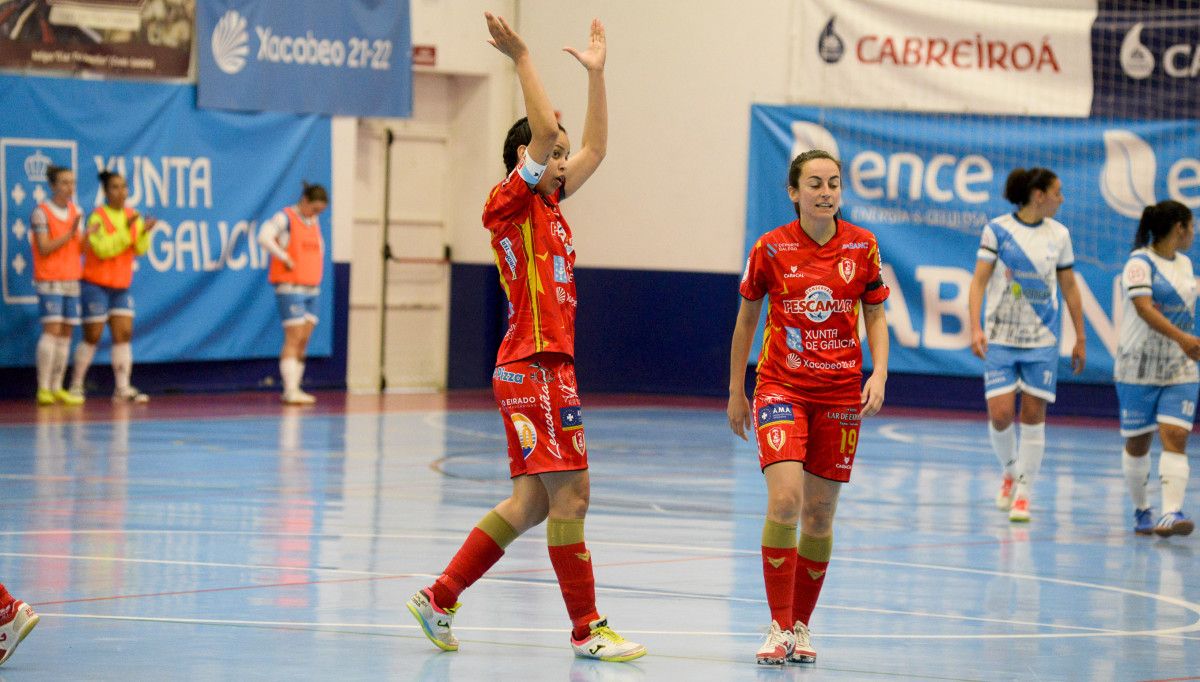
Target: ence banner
[(981, 56), (349, 58), (119, 37), (210, 178), (927, 184)]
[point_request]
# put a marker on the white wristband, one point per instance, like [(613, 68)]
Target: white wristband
[(530, 170)]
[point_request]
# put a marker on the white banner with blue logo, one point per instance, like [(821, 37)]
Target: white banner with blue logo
[(210, 178), (927, 184), (350, 58)]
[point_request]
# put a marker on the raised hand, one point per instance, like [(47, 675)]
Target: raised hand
[(592, 58), (505, 39)]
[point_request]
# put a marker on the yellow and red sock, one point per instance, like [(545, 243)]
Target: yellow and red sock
[(779, 569), (482, 549), (573, 565), (812, 555)]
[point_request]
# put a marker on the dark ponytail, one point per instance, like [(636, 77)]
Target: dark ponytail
[(314, 192), (1158, 221), (1021, 183), (105, 176)]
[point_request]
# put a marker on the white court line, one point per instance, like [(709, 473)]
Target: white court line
[(558, 630), (1178, 630)]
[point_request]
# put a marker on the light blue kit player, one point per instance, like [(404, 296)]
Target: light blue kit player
[(1155, 369), (1024, 258)]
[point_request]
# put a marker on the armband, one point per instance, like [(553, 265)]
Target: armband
[(530, 170)]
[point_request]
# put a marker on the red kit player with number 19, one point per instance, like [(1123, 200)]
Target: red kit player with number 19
[(817, 271), (534, 381)]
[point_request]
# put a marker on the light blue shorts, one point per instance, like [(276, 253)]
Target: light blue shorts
[(58, 308), (297, 308), (100, 302), (1144, 407), (1030, 370)]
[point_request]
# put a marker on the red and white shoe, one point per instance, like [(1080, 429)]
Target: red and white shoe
[(1004, 497), (777, 647), (17, 620), (803, 651), (1020, 510)]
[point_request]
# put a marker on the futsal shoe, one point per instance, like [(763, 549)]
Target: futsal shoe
[(803, 651), (778, 646), (298, 397), (434, 620), (1174, 523), (603, 644), (17, 620), (1143, 521), (1004, 498), (68, 398), (45, 397), (1019, 513), (129, 394)]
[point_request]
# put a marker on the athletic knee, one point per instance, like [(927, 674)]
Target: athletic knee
[(783, 506), (817, 518)]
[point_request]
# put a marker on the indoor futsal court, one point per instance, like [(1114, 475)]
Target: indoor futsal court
[(232, 537)]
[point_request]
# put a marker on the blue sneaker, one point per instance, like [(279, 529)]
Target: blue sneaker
[(1143, 521), (1174, 523)]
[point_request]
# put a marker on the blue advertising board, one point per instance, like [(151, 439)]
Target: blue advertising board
[(926, 184), (210, 178), (351, 58)]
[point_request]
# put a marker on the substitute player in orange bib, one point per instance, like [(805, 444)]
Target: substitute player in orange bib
[(534, 380), (116, 236), (57, 236), (293, 237), (817, 272)]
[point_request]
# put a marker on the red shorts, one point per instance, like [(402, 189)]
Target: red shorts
[(822, 436), (539, 405)]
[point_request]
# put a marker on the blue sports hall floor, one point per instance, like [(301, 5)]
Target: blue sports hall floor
[(228, 537)]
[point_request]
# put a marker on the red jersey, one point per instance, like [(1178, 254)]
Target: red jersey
[(531, 243), (810, 342)]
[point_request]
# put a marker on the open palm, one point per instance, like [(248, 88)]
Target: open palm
[(593, 57)]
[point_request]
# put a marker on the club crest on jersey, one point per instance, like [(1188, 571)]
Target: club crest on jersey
[(779, 413), (579, 443), (846, 269), (526, 433), (776, 438)]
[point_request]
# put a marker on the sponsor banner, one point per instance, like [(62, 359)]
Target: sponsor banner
[(201, 291), (927, 184), (350, 58), (1147, 60), (119, 37), (983, 56)]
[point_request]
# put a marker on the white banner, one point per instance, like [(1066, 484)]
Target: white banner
[(979, 56)]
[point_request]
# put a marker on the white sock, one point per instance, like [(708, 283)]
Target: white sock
[(1173, 472), (1029, 454), (1004, 444), (84, 353), (1137, 473), (45, 360), (62, 351), (290, 370), (122, 364), (300, 374)]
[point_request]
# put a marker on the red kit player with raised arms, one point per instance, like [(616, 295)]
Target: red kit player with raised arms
[(534, 381), (810, 396)]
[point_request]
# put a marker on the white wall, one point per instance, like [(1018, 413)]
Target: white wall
[(681, 77)]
